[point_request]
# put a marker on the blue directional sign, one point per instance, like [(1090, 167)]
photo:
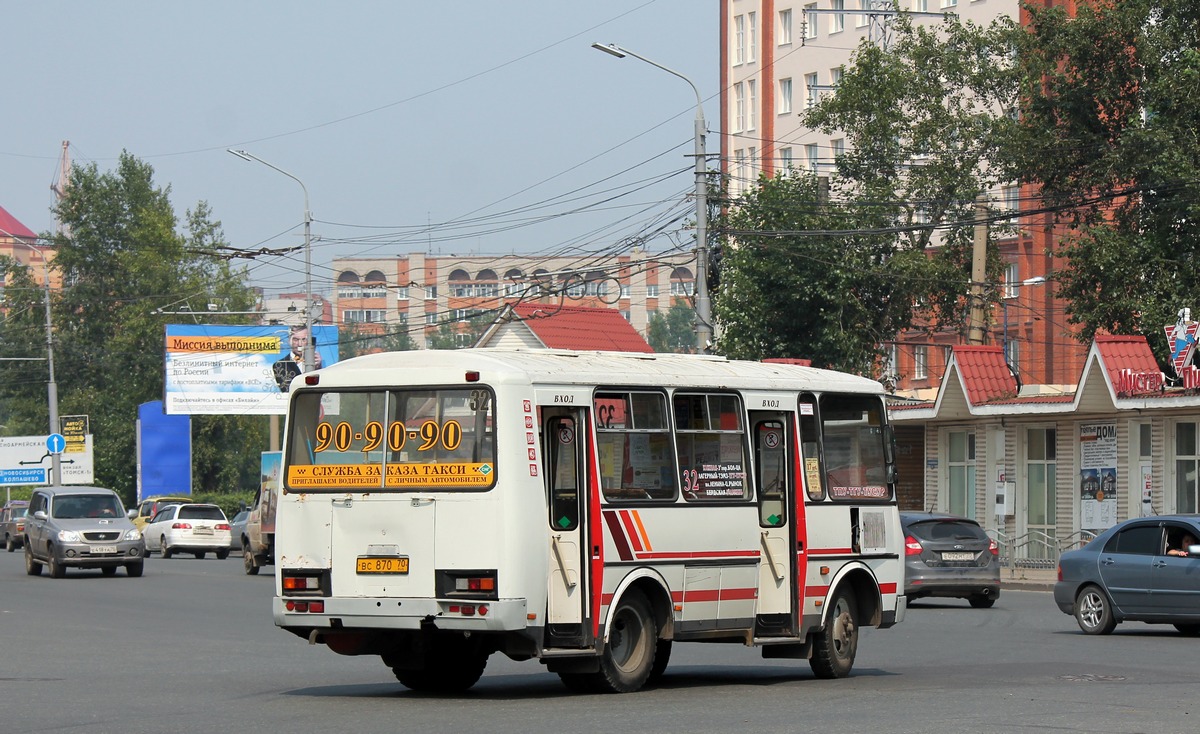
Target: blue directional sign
[(16, 477), (55, 443)]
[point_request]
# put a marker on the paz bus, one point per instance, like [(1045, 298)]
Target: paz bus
[(585, 509)]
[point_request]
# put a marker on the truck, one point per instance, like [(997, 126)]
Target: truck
[(258, 539)]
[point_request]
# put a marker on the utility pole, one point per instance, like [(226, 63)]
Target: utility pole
[(978, 272)]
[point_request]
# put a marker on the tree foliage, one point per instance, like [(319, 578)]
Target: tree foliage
[(1111, 132), (673, 331), (121, 258), (793, 284), (928, 129)]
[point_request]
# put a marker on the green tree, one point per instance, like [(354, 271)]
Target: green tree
[(356, 339), (1111, 132), (462, 333), (674, 331), (794, 283), (121, 259), (928, 127)]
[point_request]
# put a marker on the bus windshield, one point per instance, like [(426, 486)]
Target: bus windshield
[(392, 439)]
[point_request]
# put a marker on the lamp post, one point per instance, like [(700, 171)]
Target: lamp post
[(52, 385), (1038, 280), (703, 305), (308, 300)]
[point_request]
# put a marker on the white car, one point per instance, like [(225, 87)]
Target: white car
[(193, 528)]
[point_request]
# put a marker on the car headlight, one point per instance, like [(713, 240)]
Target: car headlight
[(133, 534), (68, 536)]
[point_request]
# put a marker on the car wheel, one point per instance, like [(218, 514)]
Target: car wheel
[(1093, 611), (249, 563), (164, 548), (1191, 630), (134, 569), (57, 570), (10, 545), (32, 567), (836, 644), (222, 555), (109, 570), (982, 601)]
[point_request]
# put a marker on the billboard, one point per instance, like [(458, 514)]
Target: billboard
[(237, 370)]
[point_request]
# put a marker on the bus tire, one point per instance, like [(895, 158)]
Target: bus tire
[(836, 644), (452, 665), (662, 656), (628, 658)]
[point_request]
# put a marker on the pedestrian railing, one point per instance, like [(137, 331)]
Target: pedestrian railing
[(1034, 549)]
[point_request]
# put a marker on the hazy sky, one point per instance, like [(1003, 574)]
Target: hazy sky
[(494, 122)]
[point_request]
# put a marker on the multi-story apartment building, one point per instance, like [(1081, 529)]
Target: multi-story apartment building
[(424, 291), (778, 57)]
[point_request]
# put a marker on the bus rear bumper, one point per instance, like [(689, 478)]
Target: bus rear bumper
[(390, 613)]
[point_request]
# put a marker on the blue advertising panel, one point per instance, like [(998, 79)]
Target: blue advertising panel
[(164, 445), (238, 370)]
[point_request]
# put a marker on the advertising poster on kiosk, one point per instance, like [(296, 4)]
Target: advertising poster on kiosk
[(1098, 476)]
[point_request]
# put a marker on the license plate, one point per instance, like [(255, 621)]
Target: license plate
[(98, 550), (382, 565), (201, 530), (957, 556)]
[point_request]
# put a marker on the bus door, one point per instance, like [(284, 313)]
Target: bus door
[(565, 469), (773, 463)]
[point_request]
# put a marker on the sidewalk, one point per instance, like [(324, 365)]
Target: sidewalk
[(1028, 579)]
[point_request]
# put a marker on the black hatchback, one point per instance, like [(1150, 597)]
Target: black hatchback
[(949, 556)]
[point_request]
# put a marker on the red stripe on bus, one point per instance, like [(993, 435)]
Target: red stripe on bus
[(627, 521), (695, 555), (815, 591), (887, 588), (711, 595), (595, 532), (618, 535)]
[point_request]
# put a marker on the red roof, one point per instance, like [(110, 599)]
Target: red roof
[(577, 327), (1125, 353), (985, 374), (10, 227)]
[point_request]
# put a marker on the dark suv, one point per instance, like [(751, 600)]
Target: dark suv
[(84, 527), (949, 556)]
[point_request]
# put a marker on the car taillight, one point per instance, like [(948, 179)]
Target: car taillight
[(1060, 572), (222, 526), (912, 546), (181, 526), (994, 547)]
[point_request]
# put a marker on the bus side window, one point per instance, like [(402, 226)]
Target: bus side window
[(810, 437)]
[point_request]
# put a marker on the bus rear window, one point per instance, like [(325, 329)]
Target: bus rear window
[(392, 439)]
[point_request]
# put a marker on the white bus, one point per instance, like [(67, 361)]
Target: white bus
[(587, 509)]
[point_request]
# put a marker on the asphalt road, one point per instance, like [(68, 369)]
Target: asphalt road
[(190, 647)]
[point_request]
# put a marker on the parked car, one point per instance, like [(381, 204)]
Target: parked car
[(85, 527), (148, 508), (949, 556), (237, 530), (1140, 570), (12, 523), (189, 528)]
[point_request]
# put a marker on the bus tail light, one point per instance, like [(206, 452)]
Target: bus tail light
[(316, 606), (300, 583), (467, 584), (912, 546)]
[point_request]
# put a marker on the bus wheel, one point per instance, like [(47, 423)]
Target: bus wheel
[(662, 656), (628, 657), (452, 665), (835, 645)]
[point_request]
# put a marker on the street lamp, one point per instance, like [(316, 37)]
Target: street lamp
[(52, 385), (308, 300), (703, 306), (1038, 280)]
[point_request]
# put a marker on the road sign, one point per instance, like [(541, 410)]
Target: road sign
[(55, 443), (26, 460)]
